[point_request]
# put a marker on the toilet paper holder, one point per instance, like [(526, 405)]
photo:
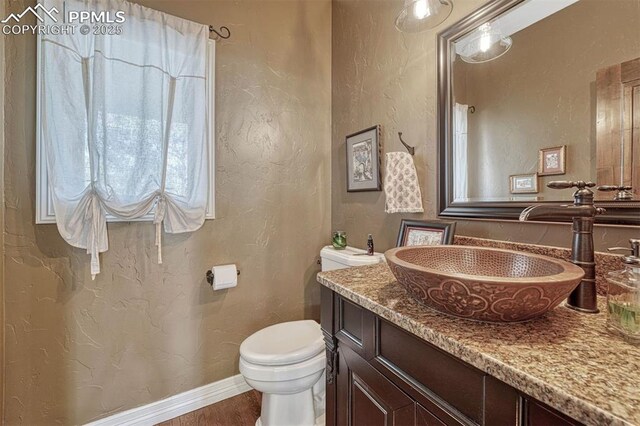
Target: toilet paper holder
[(209, 276)]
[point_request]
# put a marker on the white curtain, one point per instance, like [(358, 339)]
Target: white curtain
[(124, 124), (460, 175)]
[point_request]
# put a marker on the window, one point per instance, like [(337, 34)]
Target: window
[(125, 125), (45, 212)]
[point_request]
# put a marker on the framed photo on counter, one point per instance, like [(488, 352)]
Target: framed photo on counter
[(425, 233)]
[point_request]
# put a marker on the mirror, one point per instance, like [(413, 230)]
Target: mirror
[(532, 91)]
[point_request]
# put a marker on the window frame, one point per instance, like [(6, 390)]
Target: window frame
[(45, 213)]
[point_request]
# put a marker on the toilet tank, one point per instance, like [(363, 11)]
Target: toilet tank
[(339, 259)]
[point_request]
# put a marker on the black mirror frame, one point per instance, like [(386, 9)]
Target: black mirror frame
[(617, 213)]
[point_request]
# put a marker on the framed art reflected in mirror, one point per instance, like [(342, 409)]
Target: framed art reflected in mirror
[(524, 184), (552, 161)]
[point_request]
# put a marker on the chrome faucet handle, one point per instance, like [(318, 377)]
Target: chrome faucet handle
[(623, 191), (582, 196), (634, 249), (634, 258), (614, 188), (627, 249), (566, 184)]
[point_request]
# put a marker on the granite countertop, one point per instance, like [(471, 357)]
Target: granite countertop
[(565, 359)]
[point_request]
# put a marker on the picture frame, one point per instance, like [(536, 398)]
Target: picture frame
[(425, 233), (524, 183), (552, 161), (364, 160)]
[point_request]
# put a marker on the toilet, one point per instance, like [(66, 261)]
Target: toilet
[(286, 361)]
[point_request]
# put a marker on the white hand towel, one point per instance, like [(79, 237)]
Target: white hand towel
[(401, 185)]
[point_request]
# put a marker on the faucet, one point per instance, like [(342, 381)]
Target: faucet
[(582, 211)]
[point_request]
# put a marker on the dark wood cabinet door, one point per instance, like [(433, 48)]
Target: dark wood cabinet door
[(425, 418), (371, 398)]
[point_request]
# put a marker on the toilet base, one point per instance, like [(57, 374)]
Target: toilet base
[(320, 421), (288, 410)]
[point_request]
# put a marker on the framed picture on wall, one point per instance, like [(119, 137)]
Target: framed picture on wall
[(523, 184), (425, 233), (552, 161), (364, 160)]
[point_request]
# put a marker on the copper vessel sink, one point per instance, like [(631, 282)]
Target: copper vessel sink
[(483, 284)]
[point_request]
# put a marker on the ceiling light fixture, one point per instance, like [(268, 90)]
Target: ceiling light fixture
[(420, 15), (488, 45)]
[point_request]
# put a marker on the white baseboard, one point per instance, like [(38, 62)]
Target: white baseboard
[(177, 405)]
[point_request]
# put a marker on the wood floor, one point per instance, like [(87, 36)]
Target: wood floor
[(241, 410)]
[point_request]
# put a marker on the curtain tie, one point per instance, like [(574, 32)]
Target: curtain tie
[(94, 215), (158, 217)]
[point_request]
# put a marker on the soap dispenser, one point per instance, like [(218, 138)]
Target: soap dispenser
[(623, 297)]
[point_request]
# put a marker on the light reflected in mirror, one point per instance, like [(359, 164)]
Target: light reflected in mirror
[(545, 108), (486, 43)]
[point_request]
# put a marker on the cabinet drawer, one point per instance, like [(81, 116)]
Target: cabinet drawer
[(355, 327), (350, 321), (425, 367), (502, 403), (538, 414)]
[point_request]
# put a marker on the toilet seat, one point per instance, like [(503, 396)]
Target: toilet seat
[(283, 373), (283, 344)]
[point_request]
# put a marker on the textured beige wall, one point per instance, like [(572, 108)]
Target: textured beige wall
[(542, 94), (79, 349), (2, 12), (381, 76)]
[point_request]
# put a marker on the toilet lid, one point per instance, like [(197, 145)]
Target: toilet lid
[(284, 343)]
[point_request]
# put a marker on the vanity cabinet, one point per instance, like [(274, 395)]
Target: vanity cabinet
[(379, 374)]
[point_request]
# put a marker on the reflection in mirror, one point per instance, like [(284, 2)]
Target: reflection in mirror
[(533, 94), (484, 44)]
